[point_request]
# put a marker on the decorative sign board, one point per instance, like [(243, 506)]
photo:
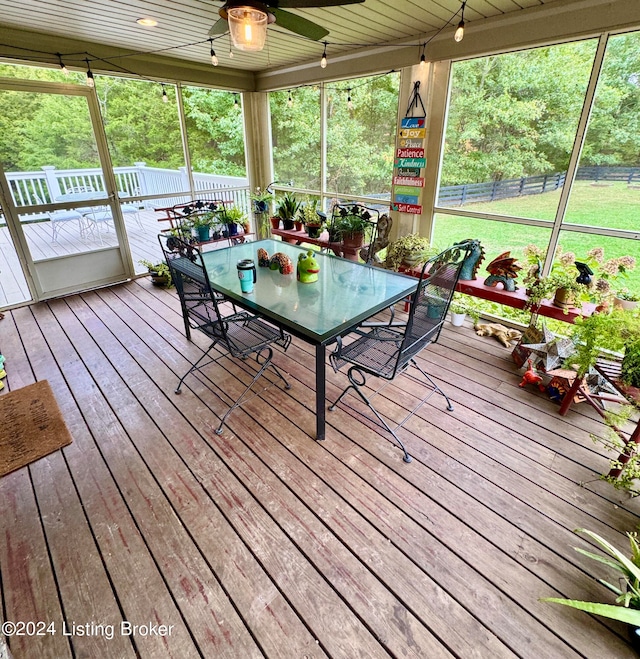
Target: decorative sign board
[(410, 157), (410, 153), (406, 208), (413, 172), (412, 122), (408, 180), (410, 162), (408, 199), (412, 133), (410, 144)]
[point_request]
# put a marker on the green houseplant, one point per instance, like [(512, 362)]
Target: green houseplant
[(202, 223), (261, 200), (160, 273), (627, 607), (288, 207), (412, 250)]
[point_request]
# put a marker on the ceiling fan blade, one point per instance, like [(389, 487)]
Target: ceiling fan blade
[(309, 4), (219, 27), (298, 24)]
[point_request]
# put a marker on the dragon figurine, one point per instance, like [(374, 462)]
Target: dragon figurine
[(503, 269), (472, 263)]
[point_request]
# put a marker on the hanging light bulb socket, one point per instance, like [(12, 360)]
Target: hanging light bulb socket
[(349, 101), (423, 59), (165, 98), (290, 100), (323, 59), (459, 34), (64, 69), (212, 52), (90, 81)]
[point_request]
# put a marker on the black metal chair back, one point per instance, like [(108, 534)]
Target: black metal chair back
[(430, 302), (368, 214), (242, 334), (388, 349)]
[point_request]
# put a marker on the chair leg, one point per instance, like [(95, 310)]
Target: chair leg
[(239, 401), (195, 367), (436, 388), (356, 387)]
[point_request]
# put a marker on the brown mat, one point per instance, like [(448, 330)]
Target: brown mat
[(31, 426)]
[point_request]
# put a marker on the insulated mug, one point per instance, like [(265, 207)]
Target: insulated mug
[(247, 275)]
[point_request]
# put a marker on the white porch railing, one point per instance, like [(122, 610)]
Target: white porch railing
[(170, 186)]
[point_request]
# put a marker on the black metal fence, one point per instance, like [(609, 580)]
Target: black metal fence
[(458, 195)]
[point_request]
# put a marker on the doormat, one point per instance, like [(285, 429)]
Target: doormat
[(31, 426)]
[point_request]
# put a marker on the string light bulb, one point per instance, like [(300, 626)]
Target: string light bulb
[(90, 81), (235, 102), (423, 59), (165, 98), (349, 101), (323, 60), (64, 69), (290, 100), (230, 52), (459, 35), (214, 57)]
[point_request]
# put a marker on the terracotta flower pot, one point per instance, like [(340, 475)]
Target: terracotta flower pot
[(353, 240), (564, 298), (275, 222)]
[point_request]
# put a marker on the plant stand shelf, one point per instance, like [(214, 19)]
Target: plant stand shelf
[(610, 370), (516, 299), (300, 237)]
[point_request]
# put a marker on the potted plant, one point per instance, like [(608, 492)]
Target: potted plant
[(307, 214), (626, 299), (288, 207), (160, 273), (202, 223), (235, 216), (261, 200), (351, 221), (560, 285), (412, 251), (612, 329), (459, 308), (627, 607)]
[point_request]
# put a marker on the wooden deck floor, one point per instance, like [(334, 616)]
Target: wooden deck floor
[(262, 542), (142, 238)]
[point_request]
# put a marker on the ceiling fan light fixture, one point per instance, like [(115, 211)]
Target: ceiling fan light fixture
[(247, 27)]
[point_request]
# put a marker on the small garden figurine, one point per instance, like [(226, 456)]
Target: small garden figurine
[(308, 269), (503, 269)]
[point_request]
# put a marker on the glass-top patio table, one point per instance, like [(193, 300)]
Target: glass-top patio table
[(345, 294)]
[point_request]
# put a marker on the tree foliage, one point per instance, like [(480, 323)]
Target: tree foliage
[(516, 114)]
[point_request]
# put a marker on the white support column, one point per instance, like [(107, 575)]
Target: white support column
[(257, 129), (258, 152), (436, 113)]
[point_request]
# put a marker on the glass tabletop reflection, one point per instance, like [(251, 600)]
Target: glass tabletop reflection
[(345, 294)]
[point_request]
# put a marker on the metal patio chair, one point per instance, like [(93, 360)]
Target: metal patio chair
[(240, 334), (386, 350)]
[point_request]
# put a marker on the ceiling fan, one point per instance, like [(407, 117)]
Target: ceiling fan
[(247, 20)]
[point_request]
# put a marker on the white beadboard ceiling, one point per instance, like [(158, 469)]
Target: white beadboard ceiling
[(184, 22)]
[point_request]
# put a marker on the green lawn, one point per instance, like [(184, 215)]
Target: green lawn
[(613, 206)]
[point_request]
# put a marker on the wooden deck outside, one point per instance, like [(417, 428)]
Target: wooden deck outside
[(262, 542), (142, 238)]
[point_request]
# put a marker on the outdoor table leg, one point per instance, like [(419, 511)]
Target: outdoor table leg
[(320, 391)]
